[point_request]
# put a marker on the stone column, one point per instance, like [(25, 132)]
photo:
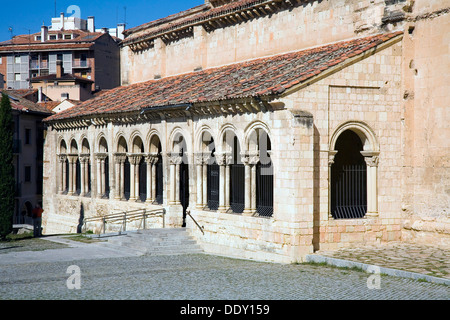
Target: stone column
[(134, 176), (103, 175), (331, 155), (72, 174), (174, 160), (372, 160), (62, 182), (221, 162), (229, 160), (247, 205), (198, 158), (101, 189), (83, 161), (153, 186), (253, 161), (151, 159), (206, 158), (119, 183)]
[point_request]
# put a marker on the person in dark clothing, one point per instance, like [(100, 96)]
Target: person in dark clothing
[(37, 220)]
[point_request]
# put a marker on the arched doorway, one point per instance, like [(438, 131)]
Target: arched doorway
[(348, 178), (237, 175), (212, 171), (264, 177), (180, 163)]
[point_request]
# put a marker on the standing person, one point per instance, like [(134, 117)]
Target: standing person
[(37, 220)]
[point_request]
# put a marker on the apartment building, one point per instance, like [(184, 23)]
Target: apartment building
[(28, 140), (84, 52)]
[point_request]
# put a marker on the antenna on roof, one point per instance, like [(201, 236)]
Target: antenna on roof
[(11, 30), (125, 19)]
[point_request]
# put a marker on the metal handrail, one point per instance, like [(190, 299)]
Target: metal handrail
[(188, 212), (125, 216)]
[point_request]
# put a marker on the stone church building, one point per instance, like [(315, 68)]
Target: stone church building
[(282, 127)]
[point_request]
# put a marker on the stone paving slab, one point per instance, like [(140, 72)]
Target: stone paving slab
[(431, 261), (110, 273), (202, 277)]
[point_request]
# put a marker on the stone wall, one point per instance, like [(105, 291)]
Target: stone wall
[(367, 92), (305, 25), (426, 199)]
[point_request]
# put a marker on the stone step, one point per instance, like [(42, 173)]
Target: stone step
[(157, 241)]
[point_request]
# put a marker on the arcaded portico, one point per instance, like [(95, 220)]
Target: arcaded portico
[(282, 127)]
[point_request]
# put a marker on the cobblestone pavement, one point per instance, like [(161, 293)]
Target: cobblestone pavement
[(428, 260), (191, 277)]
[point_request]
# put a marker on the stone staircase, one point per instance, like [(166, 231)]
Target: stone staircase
[(158, 241)]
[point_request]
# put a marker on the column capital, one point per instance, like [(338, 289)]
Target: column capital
[(250, 158), (253, 157), (223, 158), (174, 158), (72, 158), (101, 156), (244, 158), (134, 158), (151, 158), (120, 157), (198, 158), (331, 155), (371, 157), (62, 158), (372, 161), (84, 158)]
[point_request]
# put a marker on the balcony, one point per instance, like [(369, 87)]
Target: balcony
[(36, 65), (79, 64)]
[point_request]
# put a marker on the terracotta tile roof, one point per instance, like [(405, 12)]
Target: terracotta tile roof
[(49, 105), (24, 105), (83, 40), (268, 76)]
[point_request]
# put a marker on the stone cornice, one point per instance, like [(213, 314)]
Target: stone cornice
[(214, 108), (215, 18)]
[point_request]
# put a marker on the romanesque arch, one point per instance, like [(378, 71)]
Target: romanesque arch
[(179, 171), (233, 183), (208, 172), (103, 164), (155, 170), (259, 170), (353, 161), (122, 169), (138, 169), (85, 168)]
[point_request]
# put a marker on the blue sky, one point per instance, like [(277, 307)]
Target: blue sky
[(28, 16)]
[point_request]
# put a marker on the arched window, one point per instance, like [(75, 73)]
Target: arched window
[(212, 174), (179, 174), (122, 170), (264, 177), (155, 183), (353, 160), (85, 168), (138, 173), (237, 176), (159, 176), (348, 178), (103, 188), (261, 178)]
